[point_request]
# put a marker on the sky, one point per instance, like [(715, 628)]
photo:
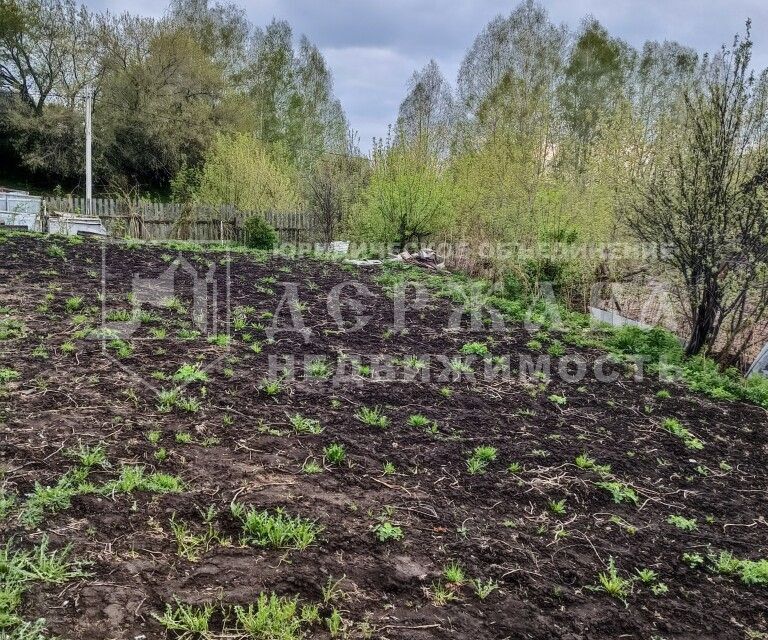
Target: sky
[(373, 46)]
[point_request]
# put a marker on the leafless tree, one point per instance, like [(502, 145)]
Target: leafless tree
[(327, 200), (706, 207), (334, 184)]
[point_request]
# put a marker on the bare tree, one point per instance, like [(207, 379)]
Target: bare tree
[(705, 208), (334, 185), (327, 200)]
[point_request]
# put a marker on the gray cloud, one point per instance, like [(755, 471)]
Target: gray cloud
[(373, 46)]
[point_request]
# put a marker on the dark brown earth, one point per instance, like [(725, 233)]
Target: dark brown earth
[(497, 524)]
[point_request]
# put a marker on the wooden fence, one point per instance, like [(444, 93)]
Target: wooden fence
[(169, 221)]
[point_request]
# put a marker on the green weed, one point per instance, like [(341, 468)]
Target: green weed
[(335, 453), (646, 576), (693, 559), (619, 491), (481, 457), (220, 340), (319, 369), (386, 531), (372, 417), (583, 461), (751, 572), (454, 574), (188, 621), (613, 584), (675, 428), (73, 303), (557, 507), (275, 529), (304, 425), (475, 348), (271, 618), (484, 588), (311, 466), (8, 375), (272, 386), (190, 373), (440, 594), (133, 478), (418, 420), (685, 524)]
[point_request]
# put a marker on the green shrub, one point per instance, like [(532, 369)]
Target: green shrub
[(258, 233), (653, 344), (756, 390), (513, 309), (702, 374), (516, 285)]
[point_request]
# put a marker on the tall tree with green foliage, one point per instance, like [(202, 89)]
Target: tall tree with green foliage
[(163, 88), (239, 171), (593, 83), (427, 113), (157, 112), (49, 52), (221, 30), (293, 96), (508, 77)]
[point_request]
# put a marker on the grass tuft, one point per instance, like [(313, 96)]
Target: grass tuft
[(275, 529)]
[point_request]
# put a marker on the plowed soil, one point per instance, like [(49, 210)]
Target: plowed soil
[(239, 445)]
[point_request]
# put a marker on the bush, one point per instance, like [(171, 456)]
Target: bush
[(756, 390), (406, 200), (654, 344), (704, 375), (513, 309), (258, 233), (241, 172)]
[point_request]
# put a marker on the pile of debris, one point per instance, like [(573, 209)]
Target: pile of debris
[(425, 258)]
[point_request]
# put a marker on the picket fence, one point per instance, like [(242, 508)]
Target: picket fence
[(169, 221)]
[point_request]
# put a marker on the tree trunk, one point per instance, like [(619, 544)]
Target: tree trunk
[(402, 238), (703, 322)]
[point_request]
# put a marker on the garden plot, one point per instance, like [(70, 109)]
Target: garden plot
[(236, 464)]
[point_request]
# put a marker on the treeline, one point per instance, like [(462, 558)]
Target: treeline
[(166, 92), (558, 139), (543, 133)]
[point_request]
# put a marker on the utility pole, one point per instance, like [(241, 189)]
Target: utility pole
[(88, 142)]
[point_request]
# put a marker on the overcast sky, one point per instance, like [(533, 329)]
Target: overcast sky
[(373, 46)]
